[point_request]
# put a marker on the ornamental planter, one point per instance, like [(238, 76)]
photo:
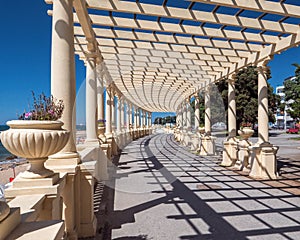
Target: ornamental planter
[(201, 130), (35, 140), (246, 132)]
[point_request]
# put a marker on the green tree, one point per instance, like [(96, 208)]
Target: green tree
[(246, 91), (292, 93)]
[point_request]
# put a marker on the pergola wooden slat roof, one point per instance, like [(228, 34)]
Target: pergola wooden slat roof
[(161, 52)]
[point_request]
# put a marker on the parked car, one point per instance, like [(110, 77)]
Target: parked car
[(219, 126), (292, 130)]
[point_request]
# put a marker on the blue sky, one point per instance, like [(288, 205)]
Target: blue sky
[(25, 57)]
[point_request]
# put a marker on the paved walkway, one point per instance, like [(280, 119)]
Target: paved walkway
[(162, 191)]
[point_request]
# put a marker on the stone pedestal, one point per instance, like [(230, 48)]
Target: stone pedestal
[(10, 223), (49, 186), (230, 152), (101, 134), (88, 221), (243, 149), (194, 142), (121, 140), (207, 146), (263, 161), (113, 145), (243, 162)]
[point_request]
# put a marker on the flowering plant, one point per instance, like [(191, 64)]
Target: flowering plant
[(101, 122), (44, 108), (245, 124)]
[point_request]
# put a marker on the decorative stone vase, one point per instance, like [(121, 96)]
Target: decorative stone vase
[(101, 134), (35, 140), (246, 132), (201, 130)]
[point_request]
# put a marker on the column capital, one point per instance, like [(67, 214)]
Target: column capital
[(262, 69), (265, 61), (231, 78)]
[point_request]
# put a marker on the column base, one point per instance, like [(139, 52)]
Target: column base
[(230, 152), (63, 159), (263, 161), (195, 142), (207, 146), (91, 142), (48, 186), (113, 145)]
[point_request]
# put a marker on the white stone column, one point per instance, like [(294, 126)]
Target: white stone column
[(91, 102), (189, 115), (63, 82), (149, 119), (230, 152), (108, 112), (100, 98), (263, 154), (207, 146), (119, 112), (63, 87), (263, 108), (113, 111), (197, 112), (231, 107), (207, 118), (184, 109), (136, 117), (122, 114), (128, 116), (144, 118)]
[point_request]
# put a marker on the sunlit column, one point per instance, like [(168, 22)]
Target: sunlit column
[(100, 97), (129, 110), (113, 110), (135, 117), (189, 114), (231, 107), (197, 112), (181, 121), (184, 108), (63, 81), (119, 110), (207, 111), (122, 113), (144, 118), (108, 111), (91, 101), (263, 118), (149, 119)]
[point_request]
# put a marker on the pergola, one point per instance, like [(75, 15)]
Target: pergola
[(155, 55), (160, 52)]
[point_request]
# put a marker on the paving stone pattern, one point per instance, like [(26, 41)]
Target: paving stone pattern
[(160, 190)]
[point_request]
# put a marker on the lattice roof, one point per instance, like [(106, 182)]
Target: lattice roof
[(158, 52)]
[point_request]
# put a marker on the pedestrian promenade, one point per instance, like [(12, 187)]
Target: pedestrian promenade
[(160, 190)]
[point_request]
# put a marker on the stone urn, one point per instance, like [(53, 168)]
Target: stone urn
[(35, 140), (201, 130), (246, 133)]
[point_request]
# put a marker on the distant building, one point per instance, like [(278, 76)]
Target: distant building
[(283, 118)]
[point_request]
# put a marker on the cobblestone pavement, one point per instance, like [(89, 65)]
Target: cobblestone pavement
[(160, 190)]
